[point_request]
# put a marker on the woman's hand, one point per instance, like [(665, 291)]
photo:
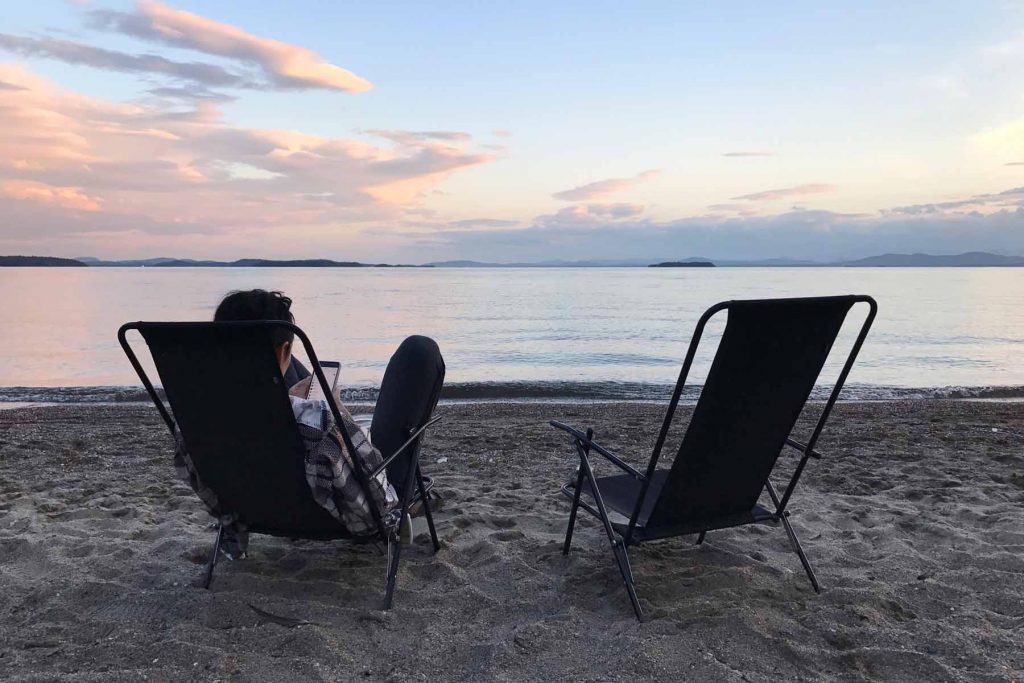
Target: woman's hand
[(301, 388)]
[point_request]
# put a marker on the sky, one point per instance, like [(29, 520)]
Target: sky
[(424, 131)]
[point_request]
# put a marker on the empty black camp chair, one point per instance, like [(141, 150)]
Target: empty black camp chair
[(768, 360), (231, 406)]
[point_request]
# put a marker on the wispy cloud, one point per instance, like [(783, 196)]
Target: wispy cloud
[(590, 214), (283, 65), (99, 58), (1004, 51), (749, 154), (190, 92), (418, 137), (616, 210), (485, 223), (603, 188), (729, 207), (787, 192), (976, 204)]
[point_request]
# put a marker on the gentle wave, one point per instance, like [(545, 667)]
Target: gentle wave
[(494, 392)]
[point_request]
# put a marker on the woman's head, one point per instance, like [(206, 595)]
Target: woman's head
[(259, 304)]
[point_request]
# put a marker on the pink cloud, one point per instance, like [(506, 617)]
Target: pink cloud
[(283, 64), (785, 192), (67, 197), (71, 164), (603, 188)]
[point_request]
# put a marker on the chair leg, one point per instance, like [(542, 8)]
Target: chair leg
[(572, 513), (622, 558), (394, 552), (396, 541), (800, 552), (618, 547), (700, 538), (426, 510), (208, 579)]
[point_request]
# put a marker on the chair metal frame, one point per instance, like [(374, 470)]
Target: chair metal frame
[(388, 534), (585, 445)]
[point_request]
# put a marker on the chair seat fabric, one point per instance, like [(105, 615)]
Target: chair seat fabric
[(620, 492)]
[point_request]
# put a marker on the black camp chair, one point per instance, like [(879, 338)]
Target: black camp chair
[(768, 360), (231, 405)]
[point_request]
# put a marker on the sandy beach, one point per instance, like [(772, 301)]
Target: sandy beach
[(914, 522)]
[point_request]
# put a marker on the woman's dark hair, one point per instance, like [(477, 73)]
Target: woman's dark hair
[(257, 304)]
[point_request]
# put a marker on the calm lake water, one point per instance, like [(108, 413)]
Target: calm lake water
[(575, 332)]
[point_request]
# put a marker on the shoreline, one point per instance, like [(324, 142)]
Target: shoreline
[(913, 521), (455, 393), (364, 406)]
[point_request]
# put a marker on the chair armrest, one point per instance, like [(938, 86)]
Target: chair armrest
[(592, 445), (412, 438), (803, 448)]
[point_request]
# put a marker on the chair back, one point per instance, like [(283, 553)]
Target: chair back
[(768, 360), (231, 406)]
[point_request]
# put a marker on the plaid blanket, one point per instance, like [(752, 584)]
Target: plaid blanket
[(329, 472)]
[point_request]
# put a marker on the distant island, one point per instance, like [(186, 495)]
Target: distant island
[(973, 259), (683, 264), (39, 262)]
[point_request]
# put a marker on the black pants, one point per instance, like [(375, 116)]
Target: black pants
[(408, 395)]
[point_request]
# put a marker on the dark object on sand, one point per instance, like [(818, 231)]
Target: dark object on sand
[(270, 617), (683, 264), (767, 362), (232, 409)]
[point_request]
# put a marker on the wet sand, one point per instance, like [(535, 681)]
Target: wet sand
[(914, 522)]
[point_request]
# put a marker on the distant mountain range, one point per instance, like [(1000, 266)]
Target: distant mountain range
[(240, 263), (971, 259)]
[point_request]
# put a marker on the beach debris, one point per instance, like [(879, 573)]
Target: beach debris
[(287, 622), (36, 643), (441, 461)]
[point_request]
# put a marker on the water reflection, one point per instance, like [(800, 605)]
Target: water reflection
[(936, 326)]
